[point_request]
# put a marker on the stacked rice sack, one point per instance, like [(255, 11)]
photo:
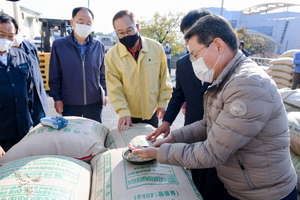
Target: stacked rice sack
[(291, 99), (281, 69), (50, 164), (294, 127), (115, 178)]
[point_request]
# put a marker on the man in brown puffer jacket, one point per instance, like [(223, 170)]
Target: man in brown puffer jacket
[(244, 131)]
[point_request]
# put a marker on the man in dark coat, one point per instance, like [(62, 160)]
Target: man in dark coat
[(15, 87), (190, 89)]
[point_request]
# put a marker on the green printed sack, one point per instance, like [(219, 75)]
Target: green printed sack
[(45, 177), (296, 162), (294, 127), (134, 135), (114, 178), (82, 138)]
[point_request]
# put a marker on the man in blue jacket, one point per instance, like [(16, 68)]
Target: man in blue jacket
[(296, 74), (190, 89), (77, 73), (40, 104), (16, 87)]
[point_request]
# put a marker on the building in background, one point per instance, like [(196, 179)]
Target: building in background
[(28, 20), (273, 21)]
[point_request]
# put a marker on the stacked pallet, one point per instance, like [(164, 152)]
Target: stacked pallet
[(44, 67)]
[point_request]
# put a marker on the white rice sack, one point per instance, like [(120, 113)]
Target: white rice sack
[(134, 135), (291, 99), (282, 75), (296, 162), (45, 177), (282, 81), (282, 61), (282, 68), (82, 138), (294, 127), (289, 53), (114, 179)]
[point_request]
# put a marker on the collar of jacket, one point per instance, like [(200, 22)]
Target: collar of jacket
[(238, 59), (71, 39), (124, 52)]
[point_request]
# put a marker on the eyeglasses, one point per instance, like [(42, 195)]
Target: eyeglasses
[(193, 58), (129, 31)]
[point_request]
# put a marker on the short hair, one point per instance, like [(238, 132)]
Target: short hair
[(123, 13), (210, 27), (242, 43), (191, 17), (77, 9), (5, 18)]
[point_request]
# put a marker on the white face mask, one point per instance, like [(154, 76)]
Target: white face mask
[(82, 30), (18, 40), (201, 70), (5, 44)]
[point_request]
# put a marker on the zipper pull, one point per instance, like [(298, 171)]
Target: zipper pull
[(241, 165)]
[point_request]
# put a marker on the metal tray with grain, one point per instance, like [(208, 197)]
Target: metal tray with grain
[(134, 159)]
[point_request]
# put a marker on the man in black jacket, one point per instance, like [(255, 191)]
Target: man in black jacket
[(190, 89), (77, 73), (15, 88)]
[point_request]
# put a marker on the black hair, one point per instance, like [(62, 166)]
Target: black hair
[(242, 43), (191, 17), (5, 18), (77, 9), (123, 13), (210, 27)]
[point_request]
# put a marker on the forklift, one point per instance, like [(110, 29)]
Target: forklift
[(51, 29)]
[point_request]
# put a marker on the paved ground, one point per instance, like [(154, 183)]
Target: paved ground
[(110, 118)]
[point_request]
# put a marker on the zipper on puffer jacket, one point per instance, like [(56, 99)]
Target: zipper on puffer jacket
[(245, 172)]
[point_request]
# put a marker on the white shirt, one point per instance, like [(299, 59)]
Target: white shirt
[(3, 58)]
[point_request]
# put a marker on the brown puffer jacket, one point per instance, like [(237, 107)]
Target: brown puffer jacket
[(247, 136)]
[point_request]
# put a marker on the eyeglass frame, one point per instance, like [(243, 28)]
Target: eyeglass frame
[(192, 57), (129, 31)]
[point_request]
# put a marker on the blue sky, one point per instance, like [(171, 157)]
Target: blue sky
[(104, 10)]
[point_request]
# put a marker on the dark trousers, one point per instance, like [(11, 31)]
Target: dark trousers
[(169, 65), (7, 144), (91, 111), (38, 111), (291, 196), (296, 80), (153, 121), (208, 183)]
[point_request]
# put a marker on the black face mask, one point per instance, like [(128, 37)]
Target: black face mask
[(130, 40)]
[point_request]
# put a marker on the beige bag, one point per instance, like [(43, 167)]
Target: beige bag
[(290, 99), (116, 179), (82, 138), (282, 61), (282, 75), (281, 81), (289, 53), (134, 135), (45, 177)]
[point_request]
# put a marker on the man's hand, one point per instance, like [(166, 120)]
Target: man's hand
[(105, 101), (124, 123), (2, 152), (160, 112), (150, 152), (59, 107), (164, 128), (159, 142)]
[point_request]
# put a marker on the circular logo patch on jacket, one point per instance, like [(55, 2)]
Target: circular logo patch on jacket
[(238, 108)]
